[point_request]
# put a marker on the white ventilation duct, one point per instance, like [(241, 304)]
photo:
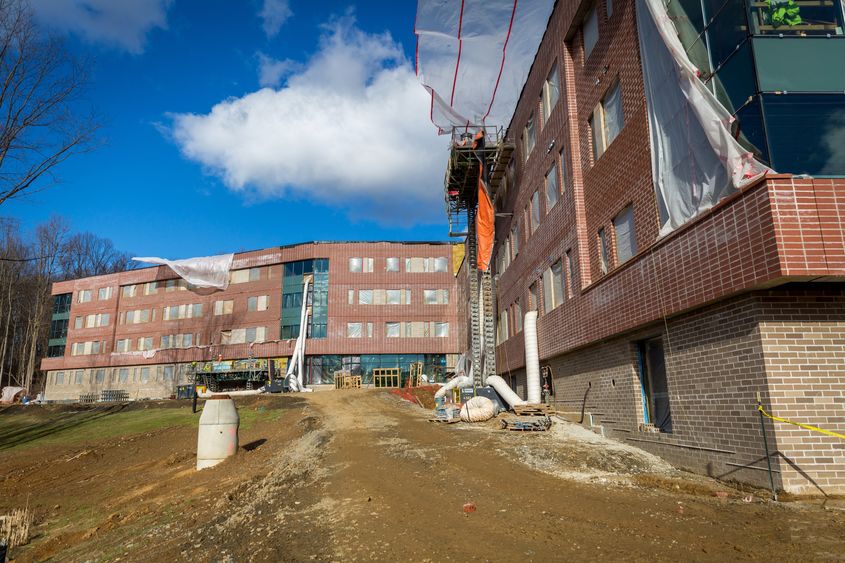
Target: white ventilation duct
[(459, 381), (504, 391), (296, 365), (532, 358)]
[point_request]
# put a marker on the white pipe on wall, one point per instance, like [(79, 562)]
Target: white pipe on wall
[(532, 358), (297, 360)]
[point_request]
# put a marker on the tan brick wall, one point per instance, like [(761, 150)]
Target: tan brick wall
[(803, 336)]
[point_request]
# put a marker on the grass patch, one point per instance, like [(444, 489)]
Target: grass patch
[(26, 430)]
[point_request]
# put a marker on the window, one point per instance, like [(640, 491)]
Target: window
[(603, 257), (258, 303), (350, 297), (365, 297), (168, 373), (77, 322), (354, 330), (145, 375), (173, 285), (145, 343), (59, 378), (243, 276), (551, 92), (529, 137), (361, 265), (441, 330), (515, 239), (256, 334), (98, 320), (100, 376), (551, 188), (392, 330), (590, 31), (123, 345), (535, 212), (78, 376), (517, 316), (609, 6), (130, 290), (189, 311), (105, 293), (392, 265), (626, 240), (553, 287), (224, 307), (177, 341), (137, 316), (86, 348), (606, 121), (533, 297), (150, 288), (436, 296), (123, 375), (502, 333), (84, 296), (394, 296), (441, 264)]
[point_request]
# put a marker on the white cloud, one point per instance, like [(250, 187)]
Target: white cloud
[(350, 128), (274, 14), (124, 23), (272, 71)]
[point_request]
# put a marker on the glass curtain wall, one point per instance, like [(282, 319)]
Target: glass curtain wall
[(320, 369), (318, 297), (779, 67)]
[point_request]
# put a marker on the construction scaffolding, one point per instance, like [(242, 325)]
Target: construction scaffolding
[(479, 156)]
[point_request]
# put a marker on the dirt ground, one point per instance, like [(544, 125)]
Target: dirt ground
[(362, 475)]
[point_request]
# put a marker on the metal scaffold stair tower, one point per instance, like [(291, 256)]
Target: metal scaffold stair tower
[(461, 187)]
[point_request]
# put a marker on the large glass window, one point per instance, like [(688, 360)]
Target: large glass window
[(626, 239), (806, 133), (535, 212), (551, 188), (529, 137), (551, 92)]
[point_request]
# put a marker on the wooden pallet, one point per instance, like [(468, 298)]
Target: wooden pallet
[(533, 410)]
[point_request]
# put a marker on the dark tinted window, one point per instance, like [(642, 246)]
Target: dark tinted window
[(806, 133)]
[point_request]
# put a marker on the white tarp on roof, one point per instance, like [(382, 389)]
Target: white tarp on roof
[(695, 159), (473, 56), (204, 271)]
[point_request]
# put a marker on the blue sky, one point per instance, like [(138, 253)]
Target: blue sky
[(234, 125)]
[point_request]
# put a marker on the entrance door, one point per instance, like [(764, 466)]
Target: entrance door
[(654, 384)]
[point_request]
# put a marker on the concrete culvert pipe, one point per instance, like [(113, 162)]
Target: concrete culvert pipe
[(478, 409), (217, 437), (532, 358)]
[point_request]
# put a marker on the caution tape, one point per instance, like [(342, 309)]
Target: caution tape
[(807, 426)]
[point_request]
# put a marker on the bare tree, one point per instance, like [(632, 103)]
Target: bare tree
[(86, 254), (39, 83)]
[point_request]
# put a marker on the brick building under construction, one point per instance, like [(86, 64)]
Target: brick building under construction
[(637, 209)]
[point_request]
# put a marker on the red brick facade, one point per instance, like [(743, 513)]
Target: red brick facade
[(699, 288), (271, 263)]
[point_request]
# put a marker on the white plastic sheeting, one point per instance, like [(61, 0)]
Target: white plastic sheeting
[(204, 271), (9, 394), (695, 160), (462, 378), (473, 56)]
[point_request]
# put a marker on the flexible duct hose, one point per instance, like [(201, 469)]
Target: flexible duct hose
[(532, 358), (504, 390), (478, 409)]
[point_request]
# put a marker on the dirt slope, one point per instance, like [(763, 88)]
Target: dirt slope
[(361, 475)]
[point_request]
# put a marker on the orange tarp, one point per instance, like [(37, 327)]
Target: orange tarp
[(485, 225)]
